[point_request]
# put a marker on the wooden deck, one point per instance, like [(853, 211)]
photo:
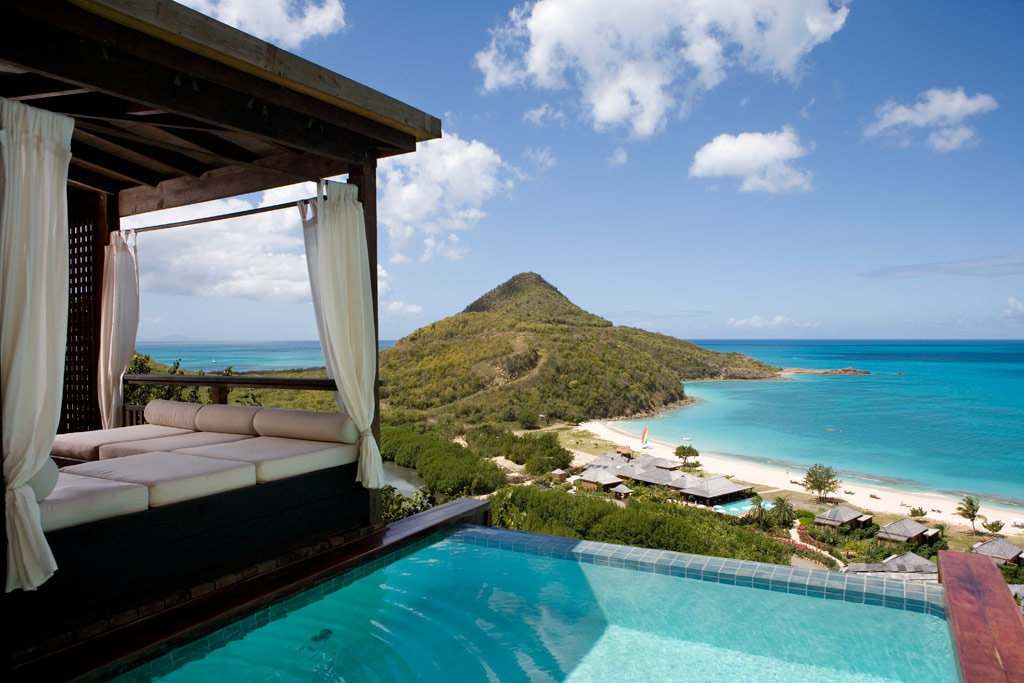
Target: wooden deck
[(121, 649), (987, 626)]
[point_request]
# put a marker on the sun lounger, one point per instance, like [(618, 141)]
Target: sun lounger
[(171, 477), (165, 418), (79, 500)]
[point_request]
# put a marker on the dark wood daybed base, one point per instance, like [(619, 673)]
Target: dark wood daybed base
[(115, 563)]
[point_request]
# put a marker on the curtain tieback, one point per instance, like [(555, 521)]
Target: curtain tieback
[(365, 434)]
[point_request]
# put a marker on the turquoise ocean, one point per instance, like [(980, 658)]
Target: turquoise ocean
[(939, 415)]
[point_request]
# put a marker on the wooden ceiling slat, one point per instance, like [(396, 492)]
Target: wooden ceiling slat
[(87, 179), (215, 144), (183, 162), (140, 174), (29, 86)]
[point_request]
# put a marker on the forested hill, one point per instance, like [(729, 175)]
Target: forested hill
[(524, 348)]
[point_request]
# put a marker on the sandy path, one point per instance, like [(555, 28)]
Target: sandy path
[(888, 500)]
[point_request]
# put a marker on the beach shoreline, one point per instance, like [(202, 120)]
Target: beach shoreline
[(888, 500)]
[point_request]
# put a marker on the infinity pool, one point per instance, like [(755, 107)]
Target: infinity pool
[(481, 604)]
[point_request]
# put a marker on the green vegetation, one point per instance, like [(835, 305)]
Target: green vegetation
[(969, 509), (821, 480), (449, 470), (539, 453), (523, 350), (395, 506), (993, 527), (684, 453), (643, 523), (860, 545)]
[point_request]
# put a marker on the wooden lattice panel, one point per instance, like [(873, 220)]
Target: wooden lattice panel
[(80, 411)]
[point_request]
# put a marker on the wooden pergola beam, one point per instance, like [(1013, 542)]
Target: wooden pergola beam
[(228, 182), (88, 179), (155, 74), (182, 163)]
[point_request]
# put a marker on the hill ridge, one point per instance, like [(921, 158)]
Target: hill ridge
[(523, 347)]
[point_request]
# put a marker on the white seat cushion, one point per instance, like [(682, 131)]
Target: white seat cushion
[(167, 443), (86, 445), (277, 458), (171, 477), (78, 500)]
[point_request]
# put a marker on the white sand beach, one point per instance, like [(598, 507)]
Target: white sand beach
[(889, 498)]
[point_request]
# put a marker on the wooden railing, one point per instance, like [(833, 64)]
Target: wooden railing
[(219, 386)]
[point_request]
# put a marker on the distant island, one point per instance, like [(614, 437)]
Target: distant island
[(524, 349), (836, 371)]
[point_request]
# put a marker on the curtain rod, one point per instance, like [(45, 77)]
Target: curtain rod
[(210, 219)]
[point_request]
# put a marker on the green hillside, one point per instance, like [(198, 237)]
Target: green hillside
[(525, 348)]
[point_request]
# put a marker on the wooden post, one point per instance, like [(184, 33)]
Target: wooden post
[(219, 395), (364, 176)]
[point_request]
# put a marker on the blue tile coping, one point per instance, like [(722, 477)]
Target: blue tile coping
[(884, 592), (927, 598)]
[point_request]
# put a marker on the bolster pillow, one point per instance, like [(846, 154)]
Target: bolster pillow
[(306, 424), (172, 414), (227, 419)]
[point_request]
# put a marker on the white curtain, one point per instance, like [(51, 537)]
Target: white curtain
[(339, 274), (119, 321), (35, 149)]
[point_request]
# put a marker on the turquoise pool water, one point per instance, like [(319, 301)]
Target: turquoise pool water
[(544, 609), (740, 507)]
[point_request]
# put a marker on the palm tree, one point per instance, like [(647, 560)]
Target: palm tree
[(757, 513), (993, 527), (783, 514), (851, 548), (942, 529), (968, 509)]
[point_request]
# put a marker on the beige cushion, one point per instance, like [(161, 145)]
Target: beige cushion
[(306, 424), (78, 500), (172, 413), (171, 477), (167, 443), (229, 419), (86, 445), (277, 458)]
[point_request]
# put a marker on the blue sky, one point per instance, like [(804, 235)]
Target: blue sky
[(761, 169)]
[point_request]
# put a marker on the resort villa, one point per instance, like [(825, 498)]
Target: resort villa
[(842, 515), (906, 531), (1001, 552), (143, 540), (611, 468)]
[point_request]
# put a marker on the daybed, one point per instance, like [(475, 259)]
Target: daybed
[(153, 507)]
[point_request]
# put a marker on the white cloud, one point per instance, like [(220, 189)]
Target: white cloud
[(617, 158), (288, 23), (400, 309), (1014, 309), (635, 64), (541, 157), (942, 111), (543, 114), (256, 257), (806, 111), (761, 160), (440, 189), (993, 266), (775, 322)]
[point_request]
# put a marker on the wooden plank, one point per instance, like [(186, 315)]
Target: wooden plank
[(140, 175), (228, 182), (215, 144), (59, 53), (181, 162), (198, 33), (88, 179), (29, 86), (987, 625)]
